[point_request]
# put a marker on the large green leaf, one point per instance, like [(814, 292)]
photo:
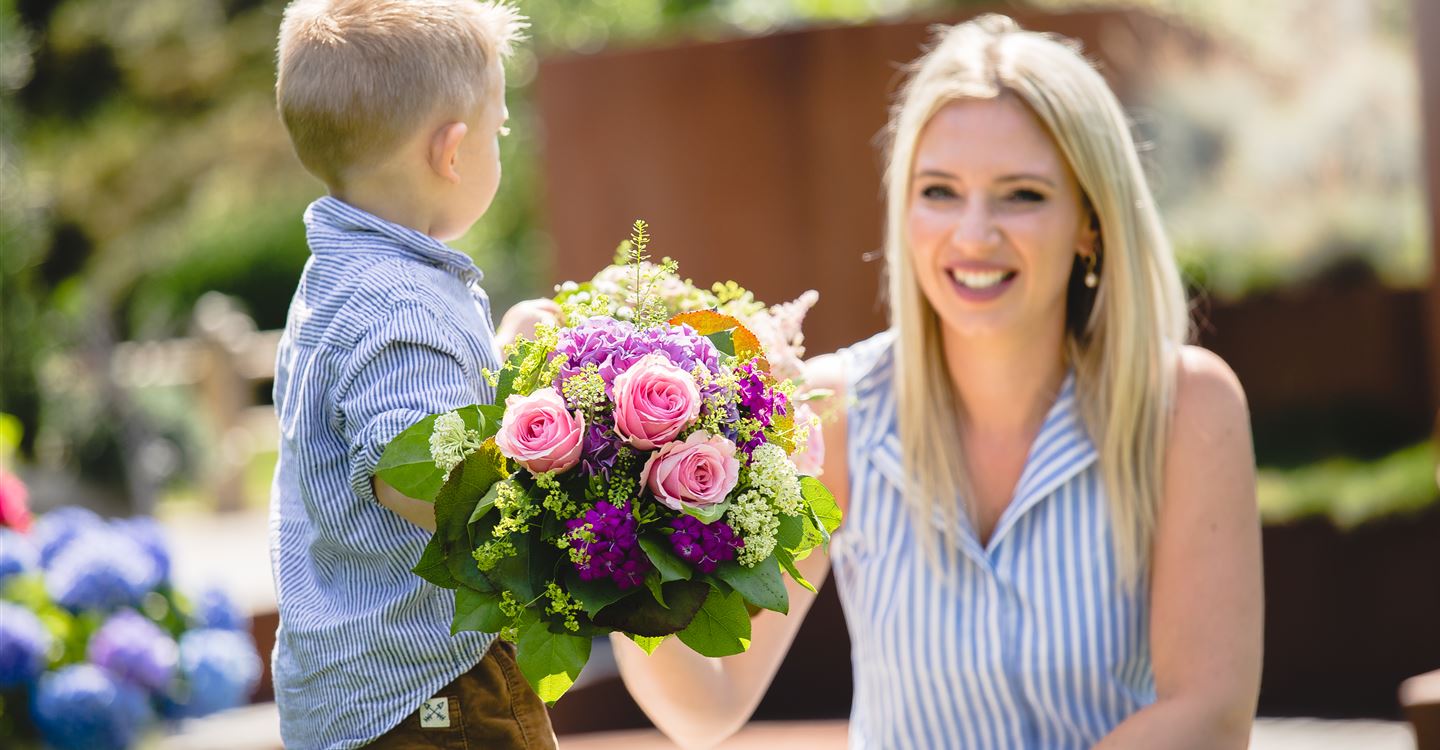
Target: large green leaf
[(671, 567), (432, 566), (720, 628), (407, 464), (640, 614), (525, 572), (761, 585), (791, 532), (823, 503), (788, 563), (455, 505), (477, 610), (593, 595), (550, 661)]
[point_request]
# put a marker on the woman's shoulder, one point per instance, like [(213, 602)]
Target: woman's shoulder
[(857, 368), (1206, 389), (1210, 422)]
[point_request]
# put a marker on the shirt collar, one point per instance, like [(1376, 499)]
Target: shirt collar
[(365, 231)]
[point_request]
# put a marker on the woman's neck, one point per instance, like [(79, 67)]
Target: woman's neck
[(1004, 386)]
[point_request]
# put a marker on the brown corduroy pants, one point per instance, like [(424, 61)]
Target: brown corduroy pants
[(491, 707)]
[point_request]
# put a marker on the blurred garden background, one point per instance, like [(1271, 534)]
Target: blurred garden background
[(150, 239)]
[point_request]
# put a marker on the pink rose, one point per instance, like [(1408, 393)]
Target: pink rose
[(538, 432), (697, 473), (654, 401), (809, 458)]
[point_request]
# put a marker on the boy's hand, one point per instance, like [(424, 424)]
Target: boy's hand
[(522, 319)]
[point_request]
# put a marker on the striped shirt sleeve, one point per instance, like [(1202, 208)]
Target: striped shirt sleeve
[(403, 369)]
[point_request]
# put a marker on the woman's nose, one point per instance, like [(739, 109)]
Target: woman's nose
[(974, 225)]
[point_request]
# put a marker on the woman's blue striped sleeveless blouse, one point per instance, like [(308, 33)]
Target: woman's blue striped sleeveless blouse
[(1030, 641)]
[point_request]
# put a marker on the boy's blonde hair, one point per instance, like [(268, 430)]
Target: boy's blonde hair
[(357, 77)]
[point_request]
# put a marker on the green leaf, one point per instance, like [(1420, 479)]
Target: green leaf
[(455, 507), (791, 532), (724, 341), (407, 464), (477, 610), (487, 502), (652, 582), (593, 595), (671, 567), (823, 503), (761, 585), (642, 615), (788, 563), (708, 514), (432, 566), (648, 643), (528, 570), (720, 628), (550, 661)]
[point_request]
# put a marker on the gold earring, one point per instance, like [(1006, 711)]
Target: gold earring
[(1092, 280)]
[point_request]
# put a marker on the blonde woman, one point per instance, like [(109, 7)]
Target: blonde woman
[(1051, 538)]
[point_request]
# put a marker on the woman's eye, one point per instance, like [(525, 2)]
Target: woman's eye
[(937, 191), (1027, 196)]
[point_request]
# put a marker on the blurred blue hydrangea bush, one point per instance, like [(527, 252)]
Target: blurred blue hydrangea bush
[(96, 644)]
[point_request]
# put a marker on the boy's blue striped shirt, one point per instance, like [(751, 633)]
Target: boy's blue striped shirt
[(387, 326), (1028, 641)]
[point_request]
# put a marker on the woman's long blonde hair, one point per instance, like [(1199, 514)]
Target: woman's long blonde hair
[(1123, 345)]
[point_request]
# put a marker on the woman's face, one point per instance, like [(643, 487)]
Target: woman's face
[(995, 220)]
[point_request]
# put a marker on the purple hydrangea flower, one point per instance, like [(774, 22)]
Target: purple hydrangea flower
[(704, 545), (216, 609), (17, 554), (613, 346), (713, 395), (136, 650), (615, 552), (54, 531), (600, 450), (24, 646), (219, 670), (148, 533), (81, 707), (101, 569)]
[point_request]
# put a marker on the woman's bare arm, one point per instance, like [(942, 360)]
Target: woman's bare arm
[(1206, 592)]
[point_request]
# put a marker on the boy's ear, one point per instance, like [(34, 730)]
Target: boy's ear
[(445, 150)]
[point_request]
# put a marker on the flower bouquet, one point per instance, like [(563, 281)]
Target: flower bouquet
[(638, 474), (97, 645)]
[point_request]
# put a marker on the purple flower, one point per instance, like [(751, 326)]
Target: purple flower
[(758, 398), (101, 569), (17, 554), (219, 670), (600, 450), (148, 533), (81, 707), (614, 551), (24, 646), (613, 346), (135, 650), (216, 609), (704, 545), (54, 531)]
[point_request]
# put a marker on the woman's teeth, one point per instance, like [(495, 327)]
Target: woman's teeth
[(979, 279)]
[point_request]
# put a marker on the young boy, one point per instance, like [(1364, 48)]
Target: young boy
[(397, 105)]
